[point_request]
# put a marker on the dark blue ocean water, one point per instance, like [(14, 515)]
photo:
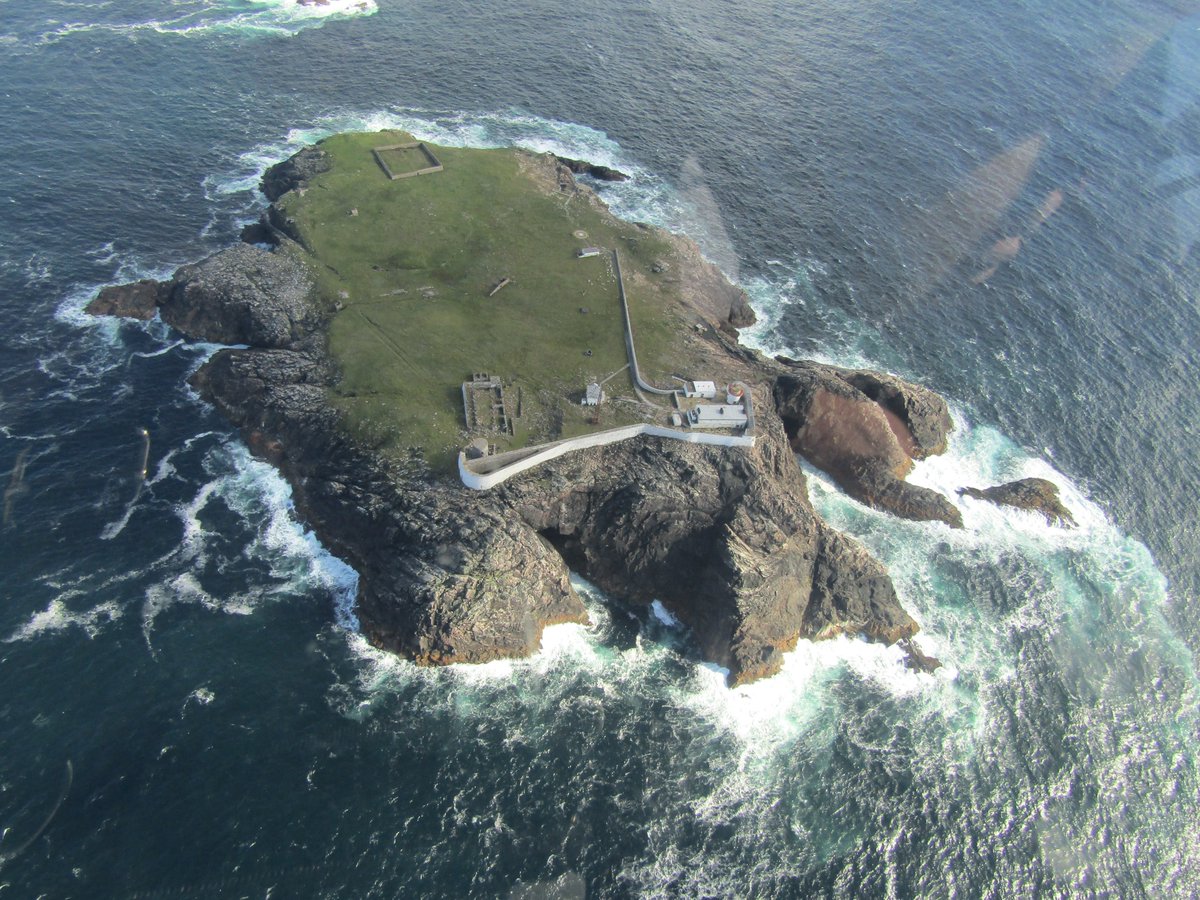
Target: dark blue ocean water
[(181, 684)]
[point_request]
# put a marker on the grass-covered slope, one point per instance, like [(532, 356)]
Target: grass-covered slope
[(408, 264)]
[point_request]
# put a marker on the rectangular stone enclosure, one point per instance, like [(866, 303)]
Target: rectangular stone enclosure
[(406, 160)]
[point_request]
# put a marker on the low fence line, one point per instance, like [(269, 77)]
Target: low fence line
[(633, 363), (483, 482)]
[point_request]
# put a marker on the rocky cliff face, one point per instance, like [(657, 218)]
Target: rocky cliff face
[(865, 429), (446, 575), (244, 295), (583, 167), (725, 539), (294, 172)]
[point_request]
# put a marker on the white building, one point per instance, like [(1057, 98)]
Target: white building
[(589, 251), (594, 395), (705, 389), (717, 415)]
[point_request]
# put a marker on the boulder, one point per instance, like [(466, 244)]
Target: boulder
[(1036, 494), (133, 301)]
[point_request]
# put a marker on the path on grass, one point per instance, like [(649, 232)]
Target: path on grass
[(633, 363), (387, 341)]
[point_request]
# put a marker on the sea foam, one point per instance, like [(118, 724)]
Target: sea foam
[(57, 616), (198, 18)]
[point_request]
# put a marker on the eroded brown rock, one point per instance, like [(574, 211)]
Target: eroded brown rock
[(922, 413), (1036, 494), (862, 444)]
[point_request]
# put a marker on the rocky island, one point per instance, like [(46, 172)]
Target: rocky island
[(409, 316)]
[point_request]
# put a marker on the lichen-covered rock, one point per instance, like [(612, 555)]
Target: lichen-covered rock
[(244, 295), (1035, 494), (294, 172)]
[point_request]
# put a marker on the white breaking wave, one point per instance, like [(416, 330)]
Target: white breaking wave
[(192, 18), (463, 129), (57, 616), (932, 565), (260, 496)]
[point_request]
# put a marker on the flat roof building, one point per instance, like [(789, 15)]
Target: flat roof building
[(717, 415), (705, 389), (594, 395)]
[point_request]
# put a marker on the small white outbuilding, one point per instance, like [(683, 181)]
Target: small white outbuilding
[(593, 395), (704, 389)]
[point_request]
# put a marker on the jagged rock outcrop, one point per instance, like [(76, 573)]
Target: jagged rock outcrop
[(444, 576), (705, 289), (1035, 494), (600, 173), (244, 295), (919, 418), (132, 301), (728, 541), (295, 171), (916, 660), (865, 447)]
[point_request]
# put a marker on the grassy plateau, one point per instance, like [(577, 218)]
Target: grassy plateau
[(407, 265)]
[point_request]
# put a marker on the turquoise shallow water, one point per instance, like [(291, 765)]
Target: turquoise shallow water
[(191, 652)]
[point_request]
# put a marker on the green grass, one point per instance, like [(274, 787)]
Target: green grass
[(403, 160), (411, 272)]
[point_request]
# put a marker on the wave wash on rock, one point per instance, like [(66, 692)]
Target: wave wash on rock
[(726, 539)]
